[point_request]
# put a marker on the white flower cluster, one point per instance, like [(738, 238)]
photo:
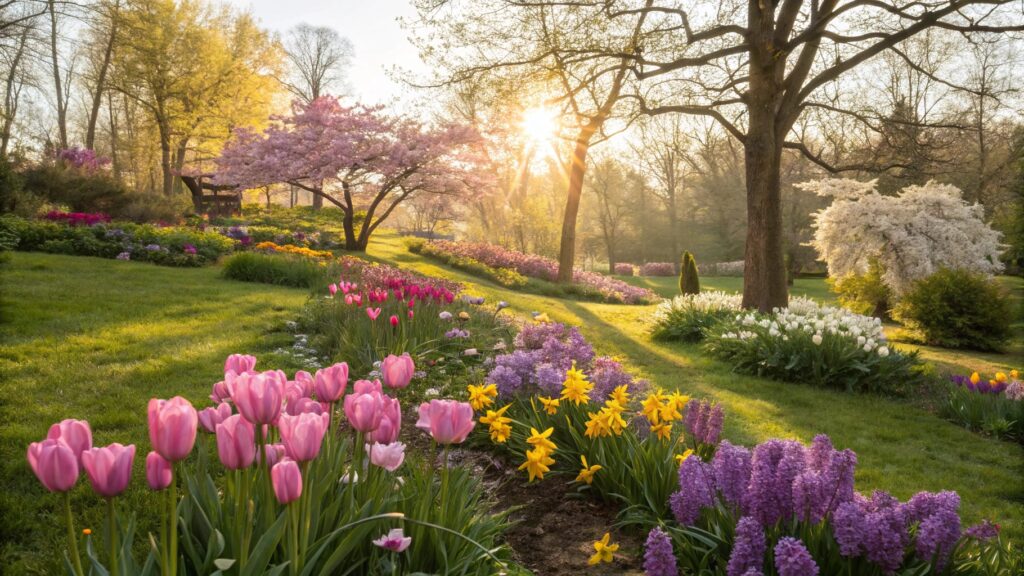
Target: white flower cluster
[(734, 268), (713, 301), (805, 316), (911, 235)]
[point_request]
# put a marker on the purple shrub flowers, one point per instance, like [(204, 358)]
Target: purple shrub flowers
[(748, 548), (793, 559), (704, 421), (659, 559)]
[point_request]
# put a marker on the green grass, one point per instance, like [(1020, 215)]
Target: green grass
[(901, 448), (95, 339), (668, 286)]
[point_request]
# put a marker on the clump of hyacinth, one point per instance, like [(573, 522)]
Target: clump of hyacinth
[(659, 559), (704, 421), (782, 481)]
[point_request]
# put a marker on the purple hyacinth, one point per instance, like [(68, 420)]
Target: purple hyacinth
[(984, 531), (821, 452), (887, 536), (849, 526), (937, 535), (811, 496), (748, 548), (763, 493), (703, 421), (659, 558), (714, 426), (732, 473), (793, 559), (793, 463), (696, 490)]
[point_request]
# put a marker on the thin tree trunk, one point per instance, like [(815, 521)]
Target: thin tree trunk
[(12, 94), (101, 79), (115, 164), (167, 184), (62, 125), (567, 249)]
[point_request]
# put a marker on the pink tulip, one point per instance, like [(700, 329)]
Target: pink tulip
[(303, 406), (54, 463), (158, 471), (364, 410), (395, 540), (305, 381), (236, 442), (258, 397), (394, 321), (302, 435), (411, 314), (275, 453), (373, 313), (387, 456), (333, 289), (358, 299), (239, 363), (210, 417), (390, 424), (222, 390), (172, 427), (366, 387), (109, 469), (287, 481), (448, 421), (75, 434), (348, 299), (330, 382), (397, 371)]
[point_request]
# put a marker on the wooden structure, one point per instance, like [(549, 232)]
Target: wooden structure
[(225, 200)]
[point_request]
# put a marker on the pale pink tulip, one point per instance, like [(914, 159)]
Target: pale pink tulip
[(54, 463), (367, 386), (158, 471), (364, 410), (303, 406), (275, 453), (172, 427), (236, 442), (390, 424), (109, 469), (75, 434), (305, 381), (448, 421), (222, 390), (239, 363), (302, 435), (287, 481), (387, 456), (330, 382), (258, 397), (397, 371), (210, 417)]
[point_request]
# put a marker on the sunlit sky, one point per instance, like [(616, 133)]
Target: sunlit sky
[(380, 42)]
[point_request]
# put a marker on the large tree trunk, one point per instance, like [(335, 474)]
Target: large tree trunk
[(764, 273), (577, 168)]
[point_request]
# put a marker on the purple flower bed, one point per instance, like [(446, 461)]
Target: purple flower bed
[(541, 356), (657, 269), (783, 488), (77, 218), (623, 269)]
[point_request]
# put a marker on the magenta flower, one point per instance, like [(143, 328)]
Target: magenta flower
[(236, 442), (373, 313), (397, 371), (54, 464), (158, 471), (395, 540), (109, 468), (448, 421), (75, 434), (172, 427)]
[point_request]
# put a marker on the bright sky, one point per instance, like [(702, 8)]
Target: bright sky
[(372, 26)]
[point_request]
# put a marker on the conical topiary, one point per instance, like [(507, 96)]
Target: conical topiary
[(689, 282)]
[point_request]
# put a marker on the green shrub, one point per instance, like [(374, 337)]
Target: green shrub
[(14, 198), (80, 190), (863, 293), (689, 282), (280, 270), (689, 317), (957, 309)]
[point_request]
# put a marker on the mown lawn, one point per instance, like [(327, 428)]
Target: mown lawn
[(95, 339)]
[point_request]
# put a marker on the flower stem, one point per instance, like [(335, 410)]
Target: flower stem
[(172, 522), (72, 539), (294, 520), (112, 537)]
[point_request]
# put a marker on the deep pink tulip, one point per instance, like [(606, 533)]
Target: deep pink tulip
[(258, 397), (287, 481), (358, 299), (373, 313), (348, 299), (364, 410), (333, 289), (302, 435), (172, 427), (236, 442), (211, 416), (397, 371), (158, 471), (390, 424), (54, 463), (75, 434), (330, 382), (109, 469), (387, 456), (239, 363), (275, 453), (411, 314), (302, 406), (448, 421), (394, 321)]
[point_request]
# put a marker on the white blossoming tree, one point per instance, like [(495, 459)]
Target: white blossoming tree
[(910, 235)]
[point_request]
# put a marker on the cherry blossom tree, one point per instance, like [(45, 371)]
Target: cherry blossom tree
[(357, 158), (910, 235)]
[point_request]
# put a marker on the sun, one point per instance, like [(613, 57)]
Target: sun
[(540, 125)]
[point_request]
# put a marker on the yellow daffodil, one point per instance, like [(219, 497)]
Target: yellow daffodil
[(542, 318), (499, 424), (668, 411), (613, 420), (651, 407), (680, 458), (1000, 377), (550, 404), (587, 473), (539, 440), (482, 396), (597, 426), (679, 400), (620, 395), (537, 463), (1014, 374), (603, 550), (576, 388), (662, 431), (500, 432), (975, 378)]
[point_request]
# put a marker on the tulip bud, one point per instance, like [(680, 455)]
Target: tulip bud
[(287, 481), (158, 471)]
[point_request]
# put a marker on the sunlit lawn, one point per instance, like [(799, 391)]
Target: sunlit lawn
[(95, 339)]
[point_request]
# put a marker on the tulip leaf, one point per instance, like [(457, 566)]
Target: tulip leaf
[(260, 555), (224, 563)]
